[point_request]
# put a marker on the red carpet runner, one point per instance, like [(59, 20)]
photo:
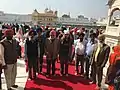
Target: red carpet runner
[(57, 82)]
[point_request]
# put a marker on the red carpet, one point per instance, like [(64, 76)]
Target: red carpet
[(57, 82)]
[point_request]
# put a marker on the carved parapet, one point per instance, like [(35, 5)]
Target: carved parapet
[(111, 40), (112, 35), (113, 31)]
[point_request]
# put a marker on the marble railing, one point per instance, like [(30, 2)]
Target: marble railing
[(113, 30)]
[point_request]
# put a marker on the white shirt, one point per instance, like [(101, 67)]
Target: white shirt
[(79, 48), (2, 60), (89, 48)]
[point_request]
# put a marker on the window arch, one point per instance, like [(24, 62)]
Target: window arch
[(115, 17)]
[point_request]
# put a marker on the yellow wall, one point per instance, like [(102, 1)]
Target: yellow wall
[(45, 19)]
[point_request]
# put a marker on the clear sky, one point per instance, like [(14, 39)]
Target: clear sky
[(88, 8)]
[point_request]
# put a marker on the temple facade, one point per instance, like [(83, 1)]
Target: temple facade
[(112, 30), (74, 21), (49, 17), (15, 18)]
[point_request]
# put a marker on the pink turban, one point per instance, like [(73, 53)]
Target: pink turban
[(9, 32), (53, 32)]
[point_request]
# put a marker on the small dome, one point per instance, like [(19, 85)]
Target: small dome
[(35, 12), (46, 9), (56, 12), (50, 11)]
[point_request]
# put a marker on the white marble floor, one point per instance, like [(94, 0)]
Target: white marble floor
[(21, 76)]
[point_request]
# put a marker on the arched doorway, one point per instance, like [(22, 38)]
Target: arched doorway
[(115, 17)]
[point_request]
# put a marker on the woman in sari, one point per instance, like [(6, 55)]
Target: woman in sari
[(111, 73)]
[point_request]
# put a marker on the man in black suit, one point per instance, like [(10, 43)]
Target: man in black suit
[(99, 60), (41, 41)]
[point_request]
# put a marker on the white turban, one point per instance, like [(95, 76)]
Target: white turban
[(66, 32), (78, 31), (58, 29)]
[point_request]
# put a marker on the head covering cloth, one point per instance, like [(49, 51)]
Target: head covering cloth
[(113, 55), (32, 31), (8, 32), (101, 37), (53, 32)]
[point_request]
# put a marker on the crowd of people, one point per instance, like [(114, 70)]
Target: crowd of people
[(86, 48)]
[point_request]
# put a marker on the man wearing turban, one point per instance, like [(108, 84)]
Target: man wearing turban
[(41, 41), (64, 53), (99, 59), (9, 60), (31, 54), (51, 50)]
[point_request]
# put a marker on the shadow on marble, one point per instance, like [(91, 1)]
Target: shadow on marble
[(20, 88)]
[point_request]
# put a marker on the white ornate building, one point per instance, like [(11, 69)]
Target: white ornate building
[(73, 21), (112, 30), (14, 18), (102, 22), (43, 17)]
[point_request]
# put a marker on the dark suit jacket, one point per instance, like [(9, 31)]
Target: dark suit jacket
[(103, 55), (41, 42)]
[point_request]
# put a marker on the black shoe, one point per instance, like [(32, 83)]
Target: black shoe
[(15, 86), (47, 75), (10, 89), (34, 78), (66, 75), (53, 74), (40, 70), (86, 77)]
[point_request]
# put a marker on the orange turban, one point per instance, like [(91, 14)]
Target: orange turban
[(9, 32)]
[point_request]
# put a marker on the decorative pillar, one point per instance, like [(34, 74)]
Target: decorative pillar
[(109, 17)]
